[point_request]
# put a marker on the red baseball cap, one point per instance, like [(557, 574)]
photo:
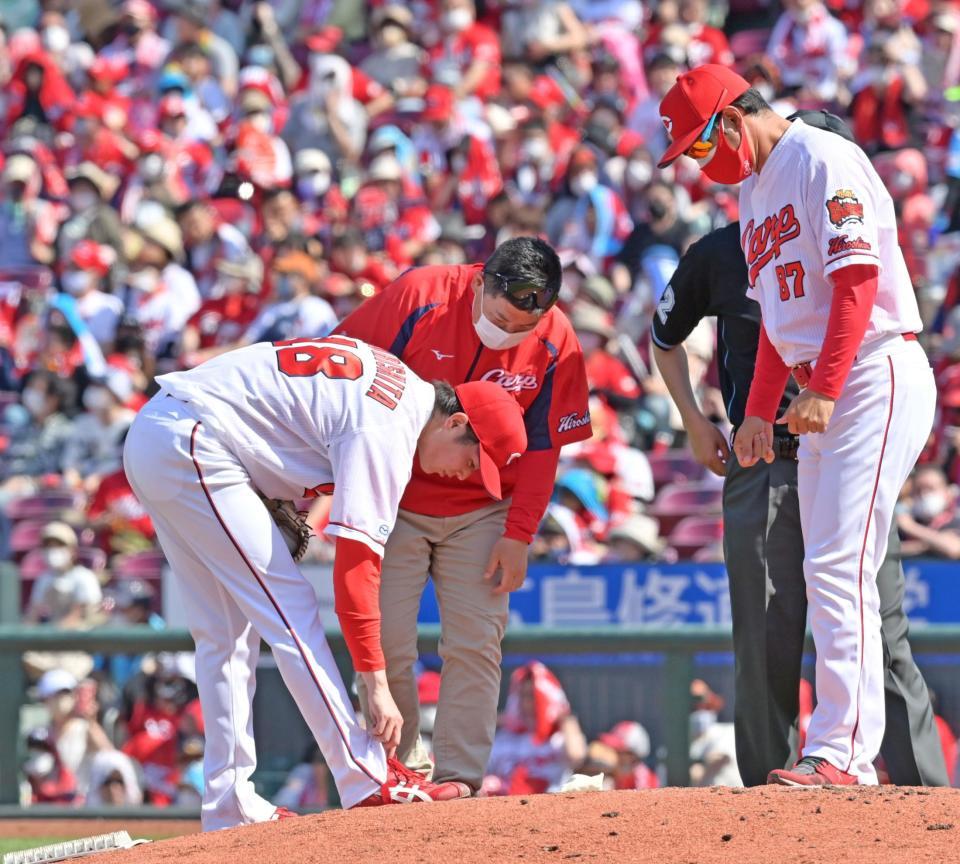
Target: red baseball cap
[(497, 420), (438, 103), (693, 100), (87, 255)]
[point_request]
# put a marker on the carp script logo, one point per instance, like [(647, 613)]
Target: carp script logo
[(764, 241), (844, 208), (510, 381)]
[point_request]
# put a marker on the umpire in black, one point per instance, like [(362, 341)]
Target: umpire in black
[(763, 543)]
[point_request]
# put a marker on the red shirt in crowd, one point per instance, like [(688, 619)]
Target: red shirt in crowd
[(477, 42), (426, 319)]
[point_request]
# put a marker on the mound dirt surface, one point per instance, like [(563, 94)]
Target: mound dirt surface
[(71, 829), (672, 825)]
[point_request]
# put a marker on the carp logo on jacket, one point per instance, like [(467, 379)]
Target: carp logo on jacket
[(510, 381), (844, 208), (764, 241)]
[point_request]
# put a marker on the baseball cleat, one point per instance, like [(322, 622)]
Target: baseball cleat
[(404, 786), (811, 771), (283, 813)]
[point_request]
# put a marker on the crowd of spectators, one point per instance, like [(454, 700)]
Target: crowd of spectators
[(181, 177)]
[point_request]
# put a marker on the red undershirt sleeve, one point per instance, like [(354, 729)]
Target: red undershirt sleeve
[(538, 470), (770, 376), (356, 591), (854, 293)]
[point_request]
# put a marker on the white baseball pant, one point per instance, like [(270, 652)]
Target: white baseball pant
[(240, 583), (849, 480)]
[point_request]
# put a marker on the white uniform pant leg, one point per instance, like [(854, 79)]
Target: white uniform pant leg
[(227, 649), (849, 481), (202, 492)]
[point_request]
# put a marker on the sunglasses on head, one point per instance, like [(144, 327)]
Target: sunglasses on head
[(703, 146), (524, 295)]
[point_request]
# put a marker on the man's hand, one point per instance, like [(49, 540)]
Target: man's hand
[(709, 445), (510, 557), (808, 412), (385, 718), (753, 442)]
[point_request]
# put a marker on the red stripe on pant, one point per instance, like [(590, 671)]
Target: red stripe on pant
[(863, 550), (273, 601)]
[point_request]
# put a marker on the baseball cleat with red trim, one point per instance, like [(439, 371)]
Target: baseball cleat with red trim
[(811, 771), (404, 786), (283, 813)]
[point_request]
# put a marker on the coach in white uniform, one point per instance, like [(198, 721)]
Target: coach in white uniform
[(819, 235), (291, 420)]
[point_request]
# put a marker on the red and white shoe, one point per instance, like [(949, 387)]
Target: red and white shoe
[(283, 813), (404, 786), (811, 771)]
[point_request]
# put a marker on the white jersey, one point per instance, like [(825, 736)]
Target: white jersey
[(818, 205), (306, 417)]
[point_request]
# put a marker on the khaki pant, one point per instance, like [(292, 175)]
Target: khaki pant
[(454, 552)]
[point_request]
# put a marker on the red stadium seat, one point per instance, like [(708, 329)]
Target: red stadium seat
[(695, 533), (147, 566), (746, 43), (45, 506), (25, 537), (674, 466), (677, 501)]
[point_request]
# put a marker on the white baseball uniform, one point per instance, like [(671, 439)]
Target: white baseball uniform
[(293, 419), (817, 206)]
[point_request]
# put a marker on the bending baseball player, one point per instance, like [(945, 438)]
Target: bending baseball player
[(819, 235), (291, 420)]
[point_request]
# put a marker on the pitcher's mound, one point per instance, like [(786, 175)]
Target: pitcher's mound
[(700, 826)]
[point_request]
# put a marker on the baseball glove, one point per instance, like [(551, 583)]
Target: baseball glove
[(292, 524)]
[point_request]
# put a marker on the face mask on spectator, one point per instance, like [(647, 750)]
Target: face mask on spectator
[(312, 186), (456, 20), (701, 721), (75, 282), (536, 150), (639, 173), (494, 337), (584, 183), (39, 764), (260, 121), (56, 39), (58, 558), (145, 280), (928, 506), (82, 200), (96, 399), (34, 401)]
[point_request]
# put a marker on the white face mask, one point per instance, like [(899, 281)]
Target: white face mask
[(457, 19), (96, 399), (82, 200), (40, 764), (75, 282), (55, 38), (144, 280), (34, 401), (494, 337), (584, 183), (58, 558), (260, 121), (701, 721), (928, 506), (639, 173), (314, 185)]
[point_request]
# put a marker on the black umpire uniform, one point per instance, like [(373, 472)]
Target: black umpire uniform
[(763, 547)]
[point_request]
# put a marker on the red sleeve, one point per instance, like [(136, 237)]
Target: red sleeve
[(854, 293), (387, 319), (561, 412), (535, 478), (365, 88), (356, 591), (769, 380)]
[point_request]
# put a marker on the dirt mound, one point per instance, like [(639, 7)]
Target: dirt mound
[(71, 829), (700, 826)]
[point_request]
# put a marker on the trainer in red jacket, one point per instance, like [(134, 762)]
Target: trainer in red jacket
[(494, 322)]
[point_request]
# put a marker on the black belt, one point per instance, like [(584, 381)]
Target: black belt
[(784, 446)]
